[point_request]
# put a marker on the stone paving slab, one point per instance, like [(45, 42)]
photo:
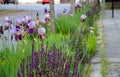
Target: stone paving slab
[(113, 52), (96, 70), (112, 42)]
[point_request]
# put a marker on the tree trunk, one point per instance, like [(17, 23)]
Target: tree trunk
[(72, 7), (52, 14)]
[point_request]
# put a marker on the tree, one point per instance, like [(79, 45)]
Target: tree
[(72, 7), (52, 14)]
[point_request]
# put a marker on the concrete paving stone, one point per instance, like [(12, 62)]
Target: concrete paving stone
[(113, 46), (112, 39), (113, 33), (110, 28), (96, 74), (112, 76), (113, 60), (108, 22), (113, 52)]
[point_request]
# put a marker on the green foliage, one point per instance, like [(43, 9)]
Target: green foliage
[(64, 24), (91, 44), (72, 36)]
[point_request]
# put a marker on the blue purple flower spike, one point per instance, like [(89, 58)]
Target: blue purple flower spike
[(48, 64)]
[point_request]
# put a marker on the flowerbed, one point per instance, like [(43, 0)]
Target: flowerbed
[(64, 54)]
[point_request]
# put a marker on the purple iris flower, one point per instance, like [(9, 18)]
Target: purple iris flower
[(77, 5), (31, 26), (17, 33), (40, 36), (46, 10), (31, 30), (7, 25), (17, 27), (18, 37)]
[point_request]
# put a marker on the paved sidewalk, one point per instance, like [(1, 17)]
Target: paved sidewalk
[(112, 35), (112, 46), (112, 39)]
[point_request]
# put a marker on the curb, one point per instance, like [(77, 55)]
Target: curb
[(11, 11)]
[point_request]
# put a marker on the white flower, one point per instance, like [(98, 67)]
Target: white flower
[(91, 31), (83, 16), (41, 30)]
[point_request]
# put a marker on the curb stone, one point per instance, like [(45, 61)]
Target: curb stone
[(11, 11)]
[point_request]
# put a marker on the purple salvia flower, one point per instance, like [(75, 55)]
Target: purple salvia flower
[(67, 70), (30, 74), (22, 67), (36, 62), (33, 60), (75, 70), (18, 73)]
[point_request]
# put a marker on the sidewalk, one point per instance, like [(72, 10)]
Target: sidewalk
[(112, 46), (112, 39)]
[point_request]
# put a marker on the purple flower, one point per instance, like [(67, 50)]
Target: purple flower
[(65, 10), (46, 10), (30, 30), (18, 73), (17, 27), (7, 18), (77, 5), (83, 17), (18, 21), (40, 36), (27, 19), (75, 70), (13, 30), (67, 69), (31, 24), (47, 17), (1, 29), (7, 26), (41, 30), (18, 37), (17, 32)]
